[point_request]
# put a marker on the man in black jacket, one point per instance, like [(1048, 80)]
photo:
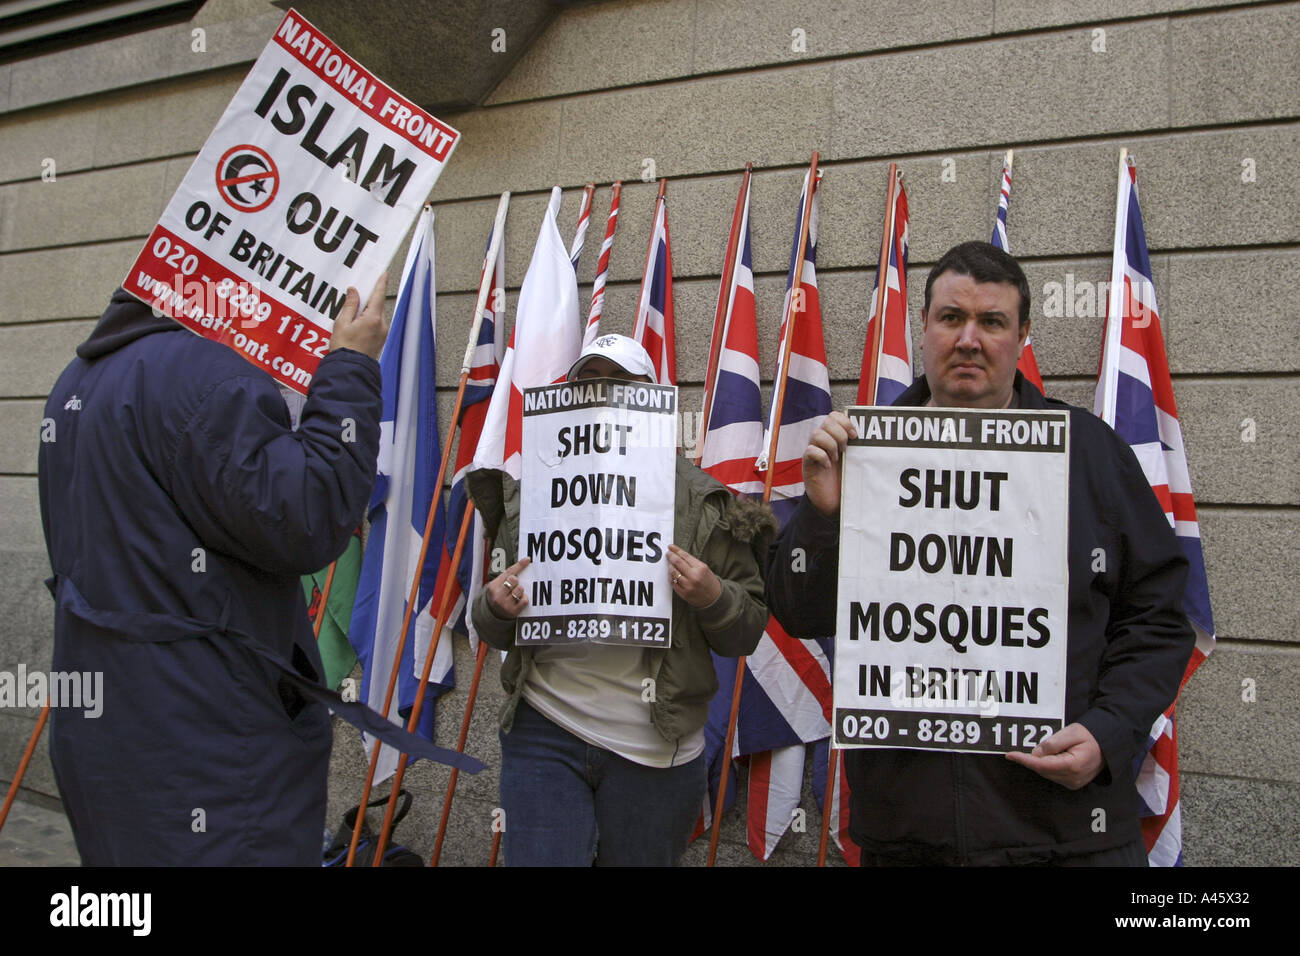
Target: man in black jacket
[(1072, 799)]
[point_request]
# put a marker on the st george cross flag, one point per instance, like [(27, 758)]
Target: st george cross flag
[(545, 341), (409, 456), (785, 695), (894, 344), (1135, 396), (1028, 364), (485, 364), (654, 313)]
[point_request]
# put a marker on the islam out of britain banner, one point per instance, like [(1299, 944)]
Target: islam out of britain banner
[(597, 490), (951, 610), (306, 186)]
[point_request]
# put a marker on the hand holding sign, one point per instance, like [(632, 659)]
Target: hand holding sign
[(692, 579), (366, 332), (1070, 757), (821, 462), (506, 597)]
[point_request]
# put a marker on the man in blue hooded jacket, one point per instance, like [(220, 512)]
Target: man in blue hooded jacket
[(179, 509)]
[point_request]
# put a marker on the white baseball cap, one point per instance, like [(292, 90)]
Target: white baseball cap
[(624, 352)]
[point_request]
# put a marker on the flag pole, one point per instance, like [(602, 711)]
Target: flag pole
[(882, 272), (479, 658), (721, 312), (796, 283), (485, 281), (1113, 327), (325, 597), (602, 265), (444, 612), (867, 387), (22, 764)]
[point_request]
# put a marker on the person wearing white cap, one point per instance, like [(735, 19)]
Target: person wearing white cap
[(602, 746)]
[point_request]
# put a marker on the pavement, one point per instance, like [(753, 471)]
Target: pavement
[(37, 836)]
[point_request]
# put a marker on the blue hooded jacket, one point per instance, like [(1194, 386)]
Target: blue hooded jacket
[(180, 509)]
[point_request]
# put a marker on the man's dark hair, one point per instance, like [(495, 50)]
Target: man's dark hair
[(983, 262)]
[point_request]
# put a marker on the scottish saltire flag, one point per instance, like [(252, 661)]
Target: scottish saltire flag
[(894, 355), (654, 313), (602, 269), (1135, 396), (409, 456), (1028, 364), (485, 364), (545, 341)]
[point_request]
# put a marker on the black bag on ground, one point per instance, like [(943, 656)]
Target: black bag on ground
[(336, 854)]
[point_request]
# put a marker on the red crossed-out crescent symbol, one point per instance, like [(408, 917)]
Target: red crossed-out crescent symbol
[(247, 178)]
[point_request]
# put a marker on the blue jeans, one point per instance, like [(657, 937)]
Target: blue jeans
[(568, 803)]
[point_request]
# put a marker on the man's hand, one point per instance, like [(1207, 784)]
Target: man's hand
[(505, 596), (1070, 757), (821, 462), (365, 332), (692, 580)]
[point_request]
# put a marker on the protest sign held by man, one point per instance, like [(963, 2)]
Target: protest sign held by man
[(603, 746), (1068, 799)]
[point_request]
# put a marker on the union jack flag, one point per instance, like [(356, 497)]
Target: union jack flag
[(786, 695), (1028, 364), (894, 353), (485, 365), (1135, 396), (654, 314)]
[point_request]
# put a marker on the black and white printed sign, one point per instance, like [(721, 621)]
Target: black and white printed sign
[(597, 491), (951, 615), (307, 185)]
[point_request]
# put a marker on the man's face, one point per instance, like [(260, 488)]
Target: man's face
[(599, 367), (971, 339)]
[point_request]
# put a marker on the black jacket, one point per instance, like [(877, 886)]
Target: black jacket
[(1128, 644)]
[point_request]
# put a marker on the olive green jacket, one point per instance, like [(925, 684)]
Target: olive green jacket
[(729, 535)]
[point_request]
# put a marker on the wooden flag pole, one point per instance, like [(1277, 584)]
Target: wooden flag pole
[(489, 261), (444, 612), (873, 374), (496, 845), (479, 658), (796, 282), (22, 764), (325, 596), (878, 317), (721, 313)]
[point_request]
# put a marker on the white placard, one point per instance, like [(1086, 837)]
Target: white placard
[(952, 591), (597, 492), (306, 186)]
